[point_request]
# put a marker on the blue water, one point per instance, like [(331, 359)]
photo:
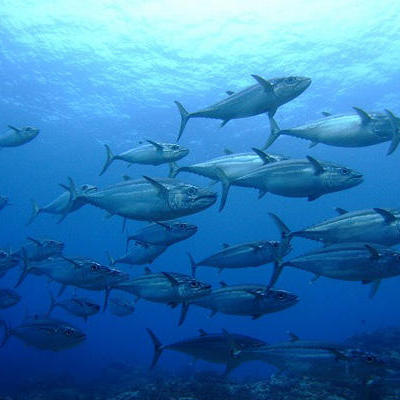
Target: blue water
[(108, 72)]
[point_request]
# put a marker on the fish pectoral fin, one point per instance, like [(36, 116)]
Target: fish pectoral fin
[(313, 197), (225, 245), (293, 337), (268, 88), (387, 215), (256, 316), (317, 166), (374, 252), (172, 304), (313, 144), (341, 211), (220, 269), (228, 152), (223, 284), (314, 278), (171, 279), (326, 113), (162, 190), (229, 92), (158, 146), (147, 271), (365, 118), (265, 158), (36, 241), (202, 332), (212, 313), (16, 130), (224, 122), (262, 193)]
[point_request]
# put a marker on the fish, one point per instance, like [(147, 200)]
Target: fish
[(331, 361), (365, 262), (244, 255), (263, 97), (18, 136), (7, 261), (44, 333), (4, 202), (348, 130), (120, 307), (79, 306), (148, 199), (8, 298), (164, 233), (61, 205), (171, 288), (247, 300), (40, 249), (140, 253), (374, 225), (307, 177), (210, 347), (153, 153)]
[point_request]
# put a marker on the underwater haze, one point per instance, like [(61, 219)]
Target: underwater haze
[(108, 72)]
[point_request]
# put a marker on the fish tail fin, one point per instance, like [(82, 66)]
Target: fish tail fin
[(226, 184), (36, 210), (26, 268), (52, 303), (7, 332), (173, 169), (283, 229), (185, 116), (193, 264), (110, 158), (275, 133), (158, 347), (394, 122)]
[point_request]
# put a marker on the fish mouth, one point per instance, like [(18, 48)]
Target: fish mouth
[(206, 200)]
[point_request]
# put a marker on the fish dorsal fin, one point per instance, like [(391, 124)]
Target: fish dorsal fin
[(265, 158), (173, 281), (158, 146), (387, 215), (36, 241), (341, 211), (202, 332), (365, 118), (228, 152), (223, 284), (16, 130), (318, 168), (162, 190), (293, 337), (148, 271), (229, 92), (126, 178), (373, 251), (326, 114), (225, 245), (268, 88)]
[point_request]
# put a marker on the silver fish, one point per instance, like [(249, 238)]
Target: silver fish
[(7, 261), (243, 255), (211, 347), (154, 153), (149, 199), (166, 287), (78, 306), (298, 178), (355, 130), (45, 333), (366, 262), (4, 202), (40, 249), (375, 225), (140, 253), (164, 233), (8, 298), (263, 97), (16, 137), (120, 307), (247, 300), (61, 205)]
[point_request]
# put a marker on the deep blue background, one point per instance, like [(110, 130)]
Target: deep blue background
[(109, 74)]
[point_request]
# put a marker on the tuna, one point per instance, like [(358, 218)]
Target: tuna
[(164, 233), (61, 205), (18, 136), (375, 225), (211, 347), (243, 255), (296, 178), (154, 153), (263, 97), (7, 261), (4, 202), (40, 249), (8, 298), (45, 333), (365, 262), (247, 300), (148, 199), (166, 287), (355, 130), (121, 307), (140, 253)]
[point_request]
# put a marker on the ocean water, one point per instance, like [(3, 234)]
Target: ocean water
[(95, 72)]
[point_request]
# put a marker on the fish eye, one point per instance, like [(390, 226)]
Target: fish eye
[(345, 171), (182, 226), (69, 331), (191, 191), (174, 147), (370, 359), (194, 284), (3, 254), (275, 244), (94, 267), (290, 80), (398, 257), (281, 296)]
